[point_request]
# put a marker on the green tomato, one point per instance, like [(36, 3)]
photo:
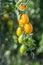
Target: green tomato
[(22, 49), (10, 23), (20, 39)]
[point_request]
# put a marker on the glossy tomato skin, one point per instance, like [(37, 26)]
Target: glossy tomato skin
[(28, 28), (20, 39), (19, 31), (25, 18), (21, 24), (22, 49), (22, 7)]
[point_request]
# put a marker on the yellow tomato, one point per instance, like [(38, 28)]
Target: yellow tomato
[(25, 18), (19, 31), (22, 6), (5, 16), (22, 49), (28, 28), (22, 22)]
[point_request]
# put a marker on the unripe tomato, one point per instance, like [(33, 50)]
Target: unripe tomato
[(20, 39), (5, 16), (10, 23), (22, 7), (25, 18), (19, 31), (22, 49), (28, 28)]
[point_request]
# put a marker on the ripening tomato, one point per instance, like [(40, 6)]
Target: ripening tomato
[(25, 18), (22, 7), (20, 39), (22, 49), (28, 28), (21, 24), (19, 31)]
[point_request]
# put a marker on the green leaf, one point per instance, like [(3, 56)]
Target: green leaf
[(40, 49)]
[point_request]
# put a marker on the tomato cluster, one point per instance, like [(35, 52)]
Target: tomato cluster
[(24, 24), (24, 27)]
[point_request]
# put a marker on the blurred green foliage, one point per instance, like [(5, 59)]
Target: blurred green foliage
[(9, 46)]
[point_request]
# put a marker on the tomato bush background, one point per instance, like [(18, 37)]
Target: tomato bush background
[(8, 45)]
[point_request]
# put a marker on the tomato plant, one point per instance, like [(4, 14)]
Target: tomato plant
[(21, 30)]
